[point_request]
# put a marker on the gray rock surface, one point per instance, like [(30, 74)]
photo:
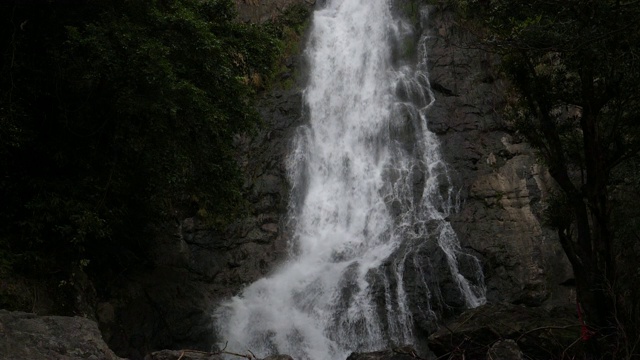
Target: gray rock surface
[(503, 187), (32, 337)]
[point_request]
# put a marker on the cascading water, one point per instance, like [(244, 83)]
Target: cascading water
[(370, 191)]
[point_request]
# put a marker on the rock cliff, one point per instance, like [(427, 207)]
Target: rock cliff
[(503, 187)]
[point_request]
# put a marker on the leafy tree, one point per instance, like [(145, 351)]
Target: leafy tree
[(114, 113), (576, 78)]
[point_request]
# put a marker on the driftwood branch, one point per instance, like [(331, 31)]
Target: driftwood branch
[(250, 355), (545, 328)]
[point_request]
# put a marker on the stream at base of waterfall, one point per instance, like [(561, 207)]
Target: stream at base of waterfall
[(370, 195)]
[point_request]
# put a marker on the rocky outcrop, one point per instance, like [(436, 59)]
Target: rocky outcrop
[(28, 336), (257, 11), (503, 187), (508, 330)]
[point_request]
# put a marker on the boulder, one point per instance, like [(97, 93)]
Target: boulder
[(33, 337)]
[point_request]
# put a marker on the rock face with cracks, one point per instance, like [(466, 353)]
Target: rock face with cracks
[(503, 188)]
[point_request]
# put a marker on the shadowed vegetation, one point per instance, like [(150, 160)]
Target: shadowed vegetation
[(117, 114)]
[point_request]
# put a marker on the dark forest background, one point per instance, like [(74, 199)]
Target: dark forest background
[(117, 115)]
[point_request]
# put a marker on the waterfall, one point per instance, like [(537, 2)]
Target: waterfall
[(370, 191)]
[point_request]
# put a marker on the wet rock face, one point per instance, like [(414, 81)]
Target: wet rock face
[(259, 241), (257, 11), (28, 336), (503, 188)]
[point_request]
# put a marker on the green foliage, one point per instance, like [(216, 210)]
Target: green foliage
[(294, 19), (112, 113), (289, 29)]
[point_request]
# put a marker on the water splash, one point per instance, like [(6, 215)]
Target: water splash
[(370, 191)]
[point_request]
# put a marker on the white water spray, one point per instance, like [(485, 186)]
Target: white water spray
[(370, 190)]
